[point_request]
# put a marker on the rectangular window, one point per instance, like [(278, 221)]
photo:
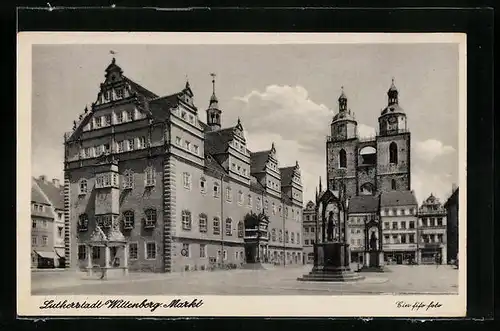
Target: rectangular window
[(203, 223), (394, 225), (96, 252), (196, 149), (60, 231), (141, 142), (440, 238), (186, 220), (216, 190), (44, 223), (185, 250), (440, 221), (216, 224), (228, 194), (203, 250), (287, 239), (34, 241), (403, 239), (120, 146), (395, 239), (59, 216), (107, 120), (203, 185), (386, 239), (150, 176), (412, 238), (229, 227), (412, 225), (306, 242), (178, 141), (33, 224), (130, 144), (403, 225), (119, 117), (119, 93), (386, 225), (97, 123), (186, 180), (133, 252), (130, 115), (82, 252), (188, 145), (150, 251)]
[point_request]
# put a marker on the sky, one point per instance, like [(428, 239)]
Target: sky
[(286, 94)]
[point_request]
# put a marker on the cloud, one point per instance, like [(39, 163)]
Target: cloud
[(296, 124), (424, 183), (430, 149)]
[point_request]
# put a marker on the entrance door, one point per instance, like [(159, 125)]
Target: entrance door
[(250, 253), (399, 259)]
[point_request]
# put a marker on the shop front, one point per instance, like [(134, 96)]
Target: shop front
[(400, 257)]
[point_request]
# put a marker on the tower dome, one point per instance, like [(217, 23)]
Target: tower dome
[(343, 124)]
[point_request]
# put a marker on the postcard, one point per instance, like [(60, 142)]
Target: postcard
[(241, 174)]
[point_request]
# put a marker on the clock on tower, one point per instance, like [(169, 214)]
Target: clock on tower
[(392, 123)]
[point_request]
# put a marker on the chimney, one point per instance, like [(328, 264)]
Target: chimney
[(42, 177), (55, 181)]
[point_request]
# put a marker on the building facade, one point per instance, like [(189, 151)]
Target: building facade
[(451, 206), (185, 194), (432, 231), (47, 223), (364, 233), (398, 216), (373, 165), (311, 231)]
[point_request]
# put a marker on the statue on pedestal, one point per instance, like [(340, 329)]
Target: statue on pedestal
[(330, 226), (373, 242)]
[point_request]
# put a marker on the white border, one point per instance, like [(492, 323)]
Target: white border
[(307, 306)]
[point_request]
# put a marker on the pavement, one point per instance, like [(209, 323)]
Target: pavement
[(402, 279)]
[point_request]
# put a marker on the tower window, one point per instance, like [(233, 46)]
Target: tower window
[(342, 159), (393, 153), (393, 184)]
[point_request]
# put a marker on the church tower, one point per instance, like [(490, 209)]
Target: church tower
[(393, 146), (341, 150), (214, 114)]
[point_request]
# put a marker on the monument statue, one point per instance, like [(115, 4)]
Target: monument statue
[(330, 226), (373, 241)]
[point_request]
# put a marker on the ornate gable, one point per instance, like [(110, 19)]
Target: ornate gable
[(98, 235)]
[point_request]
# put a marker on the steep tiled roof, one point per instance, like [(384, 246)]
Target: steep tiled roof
[(258, 161), (287, 175), (452, 199), (140, 89), (397, 198), (217, 142), (255, 186), (214, 167), (160, 107), (53, 193), (363, 204), (37, 196)]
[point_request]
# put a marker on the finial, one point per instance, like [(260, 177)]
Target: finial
[(239, 121), (393, 79), (86, 109), (74, 125), (213, 82), (187, 82), (320, 188), (296, 163), (272, 146)]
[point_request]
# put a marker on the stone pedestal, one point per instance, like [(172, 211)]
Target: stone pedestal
[(331, 264), (374, 262)]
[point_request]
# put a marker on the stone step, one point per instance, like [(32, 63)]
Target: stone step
[(331, 276)]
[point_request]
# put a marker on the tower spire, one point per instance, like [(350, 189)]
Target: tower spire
[(392, 94), (213, 111), (320, 188), (342, 100)]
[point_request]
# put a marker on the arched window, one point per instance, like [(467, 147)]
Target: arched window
[(342, 159), (83, 222), (83, 186), (128, 219), (393, 184), (241, 230), (203, 222), (229, 227), (393, 153), (186, 220), (367, 189)]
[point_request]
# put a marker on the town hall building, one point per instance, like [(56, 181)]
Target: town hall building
[(149, 186)]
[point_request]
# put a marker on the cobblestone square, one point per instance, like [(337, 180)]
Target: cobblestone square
[(422, 279)]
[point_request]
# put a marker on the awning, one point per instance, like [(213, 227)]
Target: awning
[(59, 251), (47, 255)]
